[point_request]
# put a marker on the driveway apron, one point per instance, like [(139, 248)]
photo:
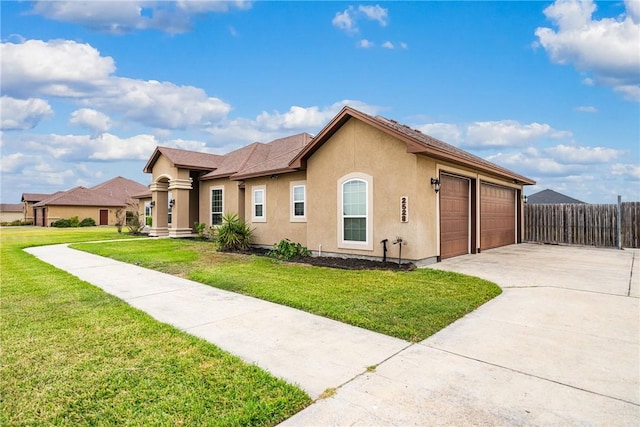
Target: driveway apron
[(559, 346)]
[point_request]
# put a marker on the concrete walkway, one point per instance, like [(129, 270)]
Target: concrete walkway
[(560, 346)]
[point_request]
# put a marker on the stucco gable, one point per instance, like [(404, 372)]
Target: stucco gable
[(184, 159)]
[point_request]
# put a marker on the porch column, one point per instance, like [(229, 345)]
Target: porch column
[(160, 209), (180, 189)]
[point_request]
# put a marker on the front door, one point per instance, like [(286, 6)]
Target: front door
[(104, 217)]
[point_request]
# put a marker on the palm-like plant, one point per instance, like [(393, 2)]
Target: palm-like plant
[(234, 234)]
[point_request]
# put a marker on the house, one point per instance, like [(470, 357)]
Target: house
[(100, 202), (10, 212), (357, 187), (28, 200), (550, 197)]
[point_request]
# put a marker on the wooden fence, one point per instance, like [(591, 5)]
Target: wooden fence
[(582, 224)]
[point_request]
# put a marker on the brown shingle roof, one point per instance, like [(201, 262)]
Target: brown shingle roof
[(260, 159), (80, 196), (185, 159), (34, 197), (11, 207), (120, 188), (233, 162), (417, 143)]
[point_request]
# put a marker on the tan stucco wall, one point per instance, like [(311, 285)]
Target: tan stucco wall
[(11, 216), (230, 194), (278, 224), (358, 147), (55, 213)]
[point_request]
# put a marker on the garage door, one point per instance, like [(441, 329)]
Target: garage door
[(454, 216), (497, 216)]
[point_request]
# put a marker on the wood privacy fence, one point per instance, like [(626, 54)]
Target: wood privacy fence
[(582, 224)]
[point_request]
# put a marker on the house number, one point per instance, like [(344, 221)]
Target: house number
[(404, 209)]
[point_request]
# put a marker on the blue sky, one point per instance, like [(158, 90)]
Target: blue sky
[(550, 90)]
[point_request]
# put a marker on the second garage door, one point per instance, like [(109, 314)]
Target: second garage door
[(497, 216)]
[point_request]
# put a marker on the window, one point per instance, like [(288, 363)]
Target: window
[(298, 202), (147, 213), (354, 210), (355, 206), (259, 206), (217, 205)]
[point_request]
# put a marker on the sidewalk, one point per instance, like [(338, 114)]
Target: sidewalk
[(313, 352)]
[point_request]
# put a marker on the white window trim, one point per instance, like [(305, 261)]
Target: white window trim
[(293, 216), (218, 187), (254, 189), (367, 245)]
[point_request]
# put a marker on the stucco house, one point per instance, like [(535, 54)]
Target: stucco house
[(10, 212), (100, 202), (361, 181)]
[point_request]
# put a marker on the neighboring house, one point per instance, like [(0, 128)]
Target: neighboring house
[(28, 200), (100, 202), (10, 212), (362, 180), (550, 197)]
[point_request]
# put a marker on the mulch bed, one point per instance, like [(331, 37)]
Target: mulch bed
[(343, 263)]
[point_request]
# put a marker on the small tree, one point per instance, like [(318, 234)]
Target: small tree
[(120, 216), (234, 234), (134, 224)]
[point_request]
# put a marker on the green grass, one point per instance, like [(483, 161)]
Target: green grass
[(408, 305), (74, 355)]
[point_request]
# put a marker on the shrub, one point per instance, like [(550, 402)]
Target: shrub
[(201, 230), (61, 223), (74, 221), (286, 249), (234, 234), (88, 222)]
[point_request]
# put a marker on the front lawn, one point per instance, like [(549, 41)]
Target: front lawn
[(74, 355), (408, 305)]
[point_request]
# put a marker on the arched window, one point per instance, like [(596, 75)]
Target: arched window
[(355, 207)]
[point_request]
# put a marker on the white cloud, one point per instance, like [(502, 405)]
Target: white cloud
[(344, 21), (446, 132), (535, 165), (128, 16), (61, 68), (508, 133), (403, 45), (375, 13), (13, 162), (90, 119), (270, 125), (111, 147), (627, 170), (347, 20), (583, 155), (365, 44), (586, 109), (388, 45), (607, 48), (19, 114), (66, 69)]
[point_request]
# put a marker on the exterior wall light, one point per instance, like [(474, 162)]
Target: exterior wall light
[(152, 204), (524, 198), (436, 184), (172, 203)]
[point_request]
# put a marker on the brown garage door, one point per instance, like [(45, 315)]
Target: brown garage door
[(497, 216), (454, 216)]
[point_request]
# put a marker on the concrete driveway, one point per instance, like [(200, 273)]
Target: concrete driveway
[(560, 346)]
